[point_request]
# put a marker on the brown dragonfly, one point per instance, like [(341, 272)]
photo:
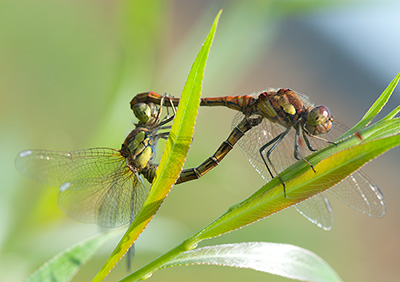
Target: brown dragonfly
[(274, 128)]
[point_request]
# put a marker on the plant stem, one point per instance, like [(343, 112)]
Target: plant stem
[(147, 270)]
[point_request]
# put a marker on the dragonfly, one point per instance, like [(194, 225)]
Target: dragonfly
[(102, 185), (274, 128)]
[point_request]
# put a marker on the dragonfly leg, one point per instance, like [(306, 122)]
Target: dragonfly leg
[(159, 112), (296, 144), (296, 148), (171, 104), (274, 142), (167, 118), (319, 137), (164, 127), (308, 142), (129, 256), (163, 135), (165, 121)]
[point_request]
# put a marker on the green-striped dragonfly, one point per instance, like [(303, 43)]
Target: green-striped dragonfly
[(274, 128), (102, 185)]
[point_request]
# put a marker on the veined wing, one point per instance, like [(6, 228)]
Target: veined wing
[(360, 193), (316, 209), (96, 186), (250, 144), (357, 191)]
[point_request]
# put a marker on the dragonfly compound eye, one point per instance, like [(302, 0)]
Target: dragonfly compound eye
[(319, 120), (142, 111)]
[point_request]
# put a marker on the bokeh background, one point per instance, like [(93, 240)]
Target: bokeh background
[(68, 70)]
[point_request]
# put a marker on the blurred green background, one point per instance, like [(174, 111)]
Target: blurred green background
[(68, 70)]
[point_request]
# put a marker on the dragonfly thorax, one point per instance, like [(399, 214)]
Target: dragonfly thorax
[(138, 149), (318, 120), (281, 106)]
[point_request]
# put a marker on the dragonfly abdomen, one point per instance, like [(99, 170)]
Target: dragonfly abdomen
[(149, 172), (194, 173), (238, 103), (152, 97)]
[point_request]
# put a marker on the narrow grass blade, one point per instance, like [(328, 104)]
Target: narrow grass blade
[(65, 265), (392, 114), (279, 259), (174, 155), (375, 108)]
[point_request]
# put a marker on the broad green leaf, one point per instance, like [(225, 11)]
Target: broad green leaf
[(280, 259), (65, 265), (301, 183), (174, 155)]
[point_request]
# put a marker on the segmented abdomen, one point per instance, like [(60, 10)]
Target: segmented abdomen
[(238, 103)]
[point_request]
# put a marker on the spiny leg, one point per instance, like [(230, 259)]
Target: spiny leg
[(296, 144), (165, 121), (318, 137), (275, 141), (308, 142), (171, 104), (262, 150), (296, 148), (163, 135), (159, 111), (131, 250), (130, 255), (167, 118)]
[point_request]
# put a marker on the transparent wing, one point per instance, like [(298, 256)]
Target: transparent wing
[(357, 191), (54, 168), (360, 193), (317, 209), (109, 202), (96, 186), (255, 138)]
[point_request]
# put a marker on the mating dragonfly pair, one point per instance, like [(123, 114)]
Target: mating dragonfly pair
[(273, 129)]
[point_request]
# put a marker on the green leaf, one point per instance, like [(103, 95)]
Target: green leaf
[(65, 265), (173, 158), (375, 108), (280, 259), (302, 182)]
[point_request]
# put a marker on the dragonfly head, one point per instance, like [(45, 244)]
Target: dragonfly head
[(145, 113), (319, 120)]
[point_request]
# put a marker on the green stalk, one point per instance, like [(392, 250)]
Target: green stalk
[(147, 270)]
